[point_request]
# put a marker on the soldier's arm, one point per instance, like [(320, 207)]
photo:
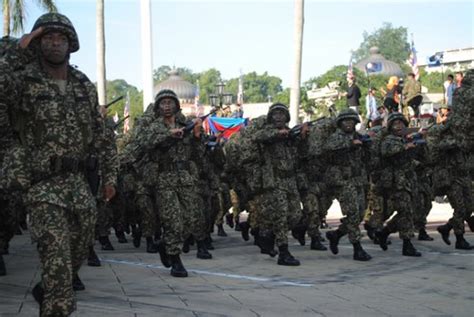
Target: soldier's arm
[(391, 148), (267, 135)]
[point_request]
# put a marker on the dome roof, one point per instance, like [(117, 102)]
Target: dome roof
[(184, 89), (382, 66)]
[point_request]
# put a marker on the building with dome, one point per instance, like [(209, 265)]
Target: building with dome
[(185, 90), (376, 64)]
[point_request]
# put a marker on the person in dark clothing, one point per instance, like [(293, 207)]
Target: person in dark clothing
[(353, 95)]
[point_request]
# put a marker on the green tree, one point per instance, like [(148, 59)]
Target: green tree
[(391, 41), (433, 81), (14, 13), (120, 87), (162, 73)]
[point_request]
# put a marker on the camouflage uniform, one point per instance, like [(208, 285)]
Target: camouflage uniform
[(281, 202), (60, 130), (399, 178)]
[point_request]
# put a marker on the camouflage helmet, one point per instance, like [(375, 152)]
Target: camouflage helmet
[(167, 93), (396, 116), (347, 114), (278, 106), (57, 22)]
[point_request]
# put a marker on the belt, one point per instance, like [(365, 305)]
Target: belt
[(174, 166), (65, 164)]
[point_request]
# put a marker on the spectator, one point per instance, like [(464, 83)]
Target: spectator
[(459, 77), (443, 114), (238, 112), (450, 86), (392, 95), (353, 95), (371, 107)]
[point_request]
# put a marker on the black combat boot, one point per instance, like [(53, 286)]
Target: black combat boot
[(151, 246), (299, 233), (106, 244), (208, 242), (187, 243), (317, 245), (77, 284), (444, 231), (266, 242), (470, 223), (285, 257), (202, 252), (245, 227), (92, 258), (255, 233), (177, 267), (423, 235), (120, 234), (461, 243), (3, 269), (409, 249), (382, 236), (165, 260), (333, 237), (229, 219), (359, 253), (137, 236), (370, 231), (220, 231), (38, 295)]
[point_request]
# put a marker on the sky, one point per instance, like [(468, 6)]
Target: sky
[(234, 36)]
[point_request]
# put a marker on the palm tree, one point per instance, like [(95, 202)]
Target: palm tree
[(14, 11), (298, 46), (100, 41)]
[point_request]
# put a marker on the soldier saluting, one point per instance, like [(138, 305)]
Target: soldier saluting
[(59, 126)]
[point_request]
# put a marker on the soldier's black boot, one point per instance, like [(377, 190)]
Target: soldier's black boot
[(266, 242), (423, 235), (461, 243), (299, 233), (444, 231), (370, 231), (470, 223), (106, 244), (77, 284), (92, 258), (151, 246), (285, 257), (255, 233), (165, 259), (120, 234), (220, 231), (38, 295), (229, 219), (359, 253), (137, 237), (177, 267), (3, 269), (208, 242), (317, 245), (382, 236), (245, 227), (409, 249), (333, 237), (202, 252)]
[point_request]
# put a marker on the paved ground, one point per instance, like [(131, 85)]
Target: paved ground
[(241, 282)]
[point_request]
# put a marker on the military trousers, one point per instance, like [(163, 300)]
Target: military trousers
[(351, 197), (181, 212), (62, 237), (401, 202), (311, 212), (147, 217), (460, 198), (8, 221), (281, 212)]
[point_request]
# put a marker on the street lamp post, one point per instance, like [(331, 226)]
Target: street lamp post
[(220, 98)]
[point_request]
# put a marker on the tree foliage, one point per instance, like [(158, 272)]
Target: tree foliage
[(433, 81), (120, 87), (14, 12), (391, 41)]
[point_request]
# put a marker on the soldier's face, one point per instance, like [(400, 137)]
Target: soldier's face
[(348, 126), (167, 107), (55, 47), (398, 127), (279, 118)]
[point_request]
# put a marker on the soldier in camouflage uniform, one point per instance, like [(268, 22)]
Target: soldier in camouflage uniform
[(347, 176), (281, 201), (450, 143), (172, 151), (60, 127), (400, 179)]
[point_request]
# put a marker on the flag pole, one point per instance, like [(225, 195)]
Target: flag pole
[(147, 53)]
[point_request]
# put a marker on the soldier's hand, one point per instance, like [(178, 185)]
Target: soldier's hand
[(197, 127), (304, 130), (27, 38), (177, 133), (357, 142), (410, 145), (109, 192)]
